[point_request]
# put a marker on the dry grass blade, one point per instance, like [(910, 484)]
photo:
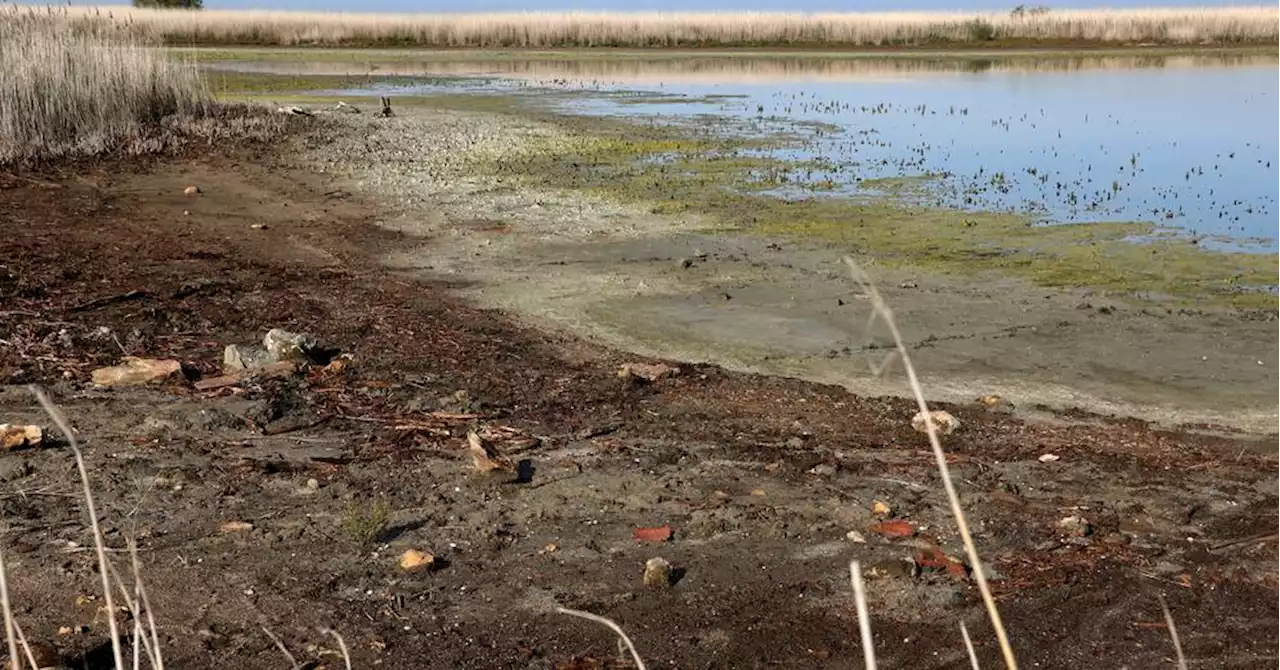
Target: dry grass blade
[(342, 645), (9, 630), (1173, 633), (26, 648), (631, 648), (104, 568), (864, 616), (293, 662), (968, 647), (940, 457)]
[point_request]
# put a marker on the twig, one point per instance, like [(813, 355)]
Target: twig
[(293, 662), (631, 648), (882, 309), (107, 300), (1247, 540), (342, 644), (864, 617), (968, 646), (99, 543), (1173, 633)]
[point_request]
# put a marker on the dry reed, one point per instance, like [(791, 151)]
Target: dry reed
[(881, 312), (85, 88), (1216, 25)]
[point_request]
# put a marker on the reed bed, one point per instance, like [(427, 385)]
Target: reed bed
[(84, 89), (1182, 26)]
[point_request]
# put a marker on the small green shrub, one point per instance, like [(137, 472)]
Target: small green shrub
[(365, 526)]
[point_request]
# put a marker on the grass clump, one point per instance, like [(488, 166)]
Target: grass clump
[(83, 89), (365, 525)]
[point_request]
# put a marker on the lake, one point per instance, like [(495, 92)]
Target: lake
[(1186, 141)]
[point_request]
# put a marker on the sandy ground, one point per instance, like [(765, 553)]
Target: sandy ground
[(653, 284)]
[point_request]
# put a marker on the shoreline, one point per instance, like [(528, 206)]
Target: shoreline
[(671, 285)]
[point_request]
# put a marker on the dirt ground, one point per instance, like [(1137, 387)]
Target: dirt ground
[(762, 479)]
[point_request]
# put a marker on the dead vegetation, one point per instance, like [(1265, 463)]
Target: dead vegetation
[(1189, 26), (92, 87)]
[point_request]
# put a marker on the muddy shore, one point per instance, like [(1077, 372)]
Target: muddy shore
[(762, 478)]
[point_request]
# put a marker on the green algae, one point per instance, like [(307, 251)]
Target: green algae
[(712, 177)]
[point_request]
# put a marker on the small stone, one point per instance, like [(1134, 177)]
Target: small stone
[(855, 536), (795, 442), (649, 372), (313, 484), (657, 573), (238, 357), (1074, 526), (881, 509), (892, 568), (15, 436), (136, 371), (1049, 458), (257, 226), (942, 420), (191, 190), (685, 263), (235, 526), (823, 470), (286, 346), (413, 560)]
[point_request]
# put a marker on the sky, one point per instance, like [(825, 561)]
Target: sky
[(681, 5)]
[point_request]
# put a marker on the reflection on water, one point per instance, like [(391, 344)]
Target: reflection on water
[(1187, 141), (721, 68)]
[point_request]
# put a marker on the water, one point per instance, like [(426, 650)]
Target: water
[(1188, 142)]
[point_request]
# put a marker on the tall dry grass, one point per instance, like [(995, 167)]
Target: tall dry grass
[(1219, 25), (84, 87)]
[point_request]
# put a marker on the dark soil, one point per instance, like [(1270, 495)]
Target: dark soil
[(760, 478)]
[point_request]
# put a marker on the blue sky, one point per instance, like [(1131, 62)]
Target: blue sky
[(677, 5)]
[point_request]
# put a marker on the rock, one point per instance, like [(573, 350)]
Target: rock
[(1048, 458), (1074, 526), (657, 573), (908, 284), (892, 568), (894, 528), (345, 108), (934, 560), (13, 468), (855, 536), (658, 534), (413, 560), (235, 526), (486, 459), (795, 442), (943, 421), (995, 403), (191, 190), (649, 372), (283, 345), (15, 436), (136, 372), (268, 371), (684, 263), (823, 470), (880, 509)]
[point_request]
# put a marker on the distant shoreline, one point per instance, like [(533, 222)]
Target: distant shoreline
[(1025, 28)]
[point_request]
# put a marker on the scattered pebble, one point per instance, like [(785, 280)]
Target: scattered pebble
[(657, 573), (413, 560), (1049, 458), (191, 190), (942, 421)]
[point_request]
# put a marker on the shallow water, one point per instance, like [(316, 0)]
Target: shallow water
[(1189, 142)]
